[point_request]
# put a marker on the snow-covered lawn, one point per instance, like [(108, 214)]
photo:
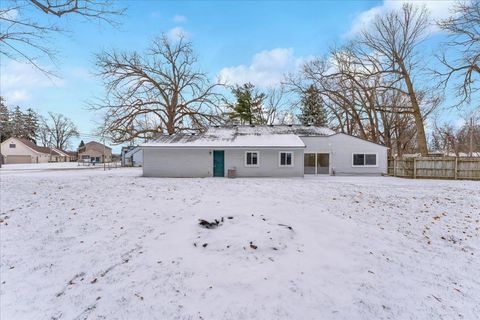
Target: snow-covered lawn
[(94, 244), (47, 166)]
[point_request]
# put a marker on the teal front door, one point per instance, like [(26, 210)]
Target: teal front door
[(218, 163)]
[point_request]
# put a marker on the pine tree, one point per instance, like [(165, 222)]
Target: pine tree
[(248, 105), (30, 125), (313, 111), (17, 122), (5, 123)]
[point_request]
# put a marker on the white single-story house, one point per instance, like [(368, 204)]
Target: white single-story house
[(262, 151), (132, 156), (19, 150)]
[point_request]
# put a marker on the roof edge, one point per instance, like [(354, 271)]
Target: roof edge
[(349, 135)]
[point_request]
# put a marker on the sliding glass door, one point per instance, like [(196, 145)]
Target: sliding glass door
[(323, 163), (317, 163), (309, 163)]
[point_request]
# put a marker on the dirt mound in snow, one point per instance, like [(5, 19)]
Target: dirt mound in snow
[(254, 233)]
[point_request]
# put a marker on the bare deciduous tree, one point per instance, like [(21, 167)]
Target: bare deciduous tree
[(360, 99), (57, 131), (391, 47), (24, 37), (274, 106), (463, 29), (159, 91)]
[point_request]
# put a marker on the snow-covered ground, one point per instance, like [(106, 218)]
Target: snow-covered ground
[(94, 244), (47, 166)]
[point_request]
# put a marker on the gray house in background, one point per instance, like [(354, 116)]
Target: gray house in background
[(262, 151)]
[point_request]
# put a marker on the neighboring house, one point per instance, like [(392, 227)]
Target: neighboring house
[(262, 151), (132, 156), (94, 152), (123, 151), (19, 150), (58, 155), (73, 155)]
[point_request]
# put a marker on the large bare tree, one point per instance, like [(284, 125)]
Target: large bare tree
[(25, 35), (391, 47), (359, 98), (57, 131), (160, 91), (463, 29)]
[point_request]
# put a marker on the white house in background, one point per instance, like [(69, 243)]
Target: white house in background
[(262, 151), (20, 150), (132, 156)]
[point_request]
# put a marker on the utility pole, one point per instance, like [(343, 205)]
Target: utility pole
[(471, 136), (104, 153)]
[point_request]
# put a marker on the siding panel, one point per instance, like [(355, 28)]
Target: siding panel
[(177, 163), (268, 163), (341, 147)]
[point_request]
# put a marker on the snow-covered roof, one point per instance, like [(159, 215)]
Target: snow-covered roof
[(283, 129), (242, 136)]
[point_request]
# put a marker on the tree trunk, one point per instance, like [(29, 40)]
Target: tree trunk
[(417, 114)]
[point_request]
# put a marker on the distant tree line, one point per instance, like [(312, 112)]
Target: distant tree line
[(464, 140), (17, 122), (54, 130)]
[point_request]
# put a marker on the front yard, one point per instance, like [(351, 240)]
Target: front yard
[(94, 244)]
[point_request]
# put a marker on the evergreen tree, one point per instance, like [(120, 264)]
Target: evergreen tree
[(248, 105), (313, 111), (5, 123), (17, 122), (30, 125)]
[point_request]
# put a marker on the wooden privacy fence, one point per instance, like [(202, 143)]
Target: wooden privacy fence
[(435, 167)]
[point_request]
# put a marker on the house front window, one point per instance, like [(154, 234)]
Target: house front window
[(251, 158), (286, 159), (13, 145), (364, 160)]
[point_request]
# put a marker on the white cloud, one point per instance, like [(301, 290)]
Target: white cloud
[(20, 80), (16, 96), (438, 10), (179, 18), (176, 33), (267, 68)]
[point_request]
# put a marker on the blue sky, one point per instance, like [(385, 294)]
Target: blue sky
[(253, 41)]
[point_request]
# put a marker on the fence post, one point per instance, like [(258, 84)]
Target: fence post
[(414, 168), (394, 167), (456, 168)]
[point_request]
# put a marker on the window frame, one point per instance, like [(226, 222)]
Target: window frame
[(252, 165), (12, 144), (280, 159), (365, 159)]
